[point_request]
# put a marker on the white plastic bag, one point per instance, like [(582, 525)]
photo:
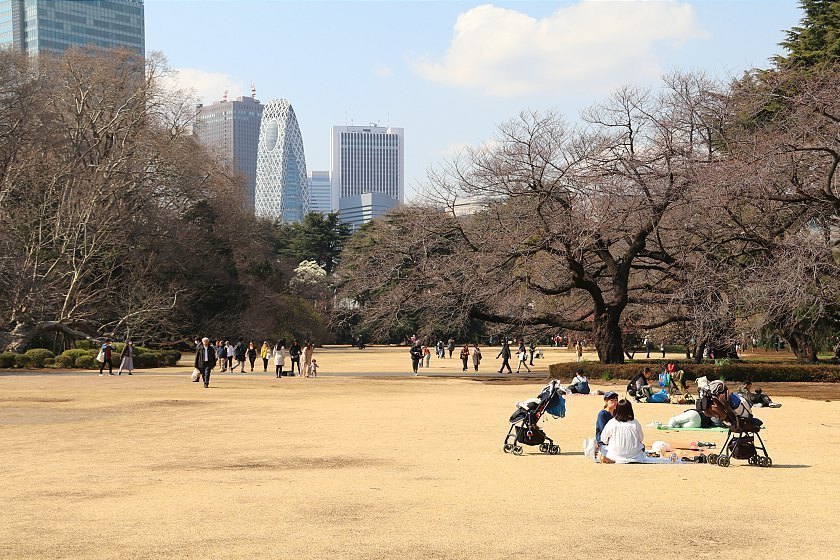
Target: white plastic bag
[(101, 356), (589, 448), (196, 374)]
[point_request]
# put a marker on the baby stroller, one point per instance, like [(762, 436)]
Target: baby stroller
[(523, 422), (715, 400)]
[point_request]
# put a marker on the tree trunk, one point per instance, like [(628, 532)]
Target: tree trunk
[(699, 350), (803, 346), (20, 337), (723, 350), (609, 340)]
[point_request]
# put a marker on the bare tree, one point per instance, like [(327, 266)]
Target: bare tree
[(564, 228)]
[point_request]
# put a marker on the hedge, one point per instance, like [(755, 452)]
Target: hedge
[(85, 358), (733, 371), (38, 356), (7, 360)]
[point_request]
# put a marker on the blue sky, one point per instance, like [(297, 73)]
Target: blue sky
[(448, 72)]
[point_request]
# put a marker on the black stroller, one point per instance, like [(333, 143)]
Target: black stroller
[(743, 430), (523, 422)]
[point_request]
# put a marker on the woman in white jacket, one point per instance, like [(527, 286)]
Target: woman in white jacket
[(623, 437), (279, 358)]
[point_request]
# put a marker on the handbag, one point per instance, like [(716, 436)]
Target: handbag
[(101, 356)]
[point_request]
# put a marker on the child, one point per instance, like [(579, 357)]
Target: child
[(313, 369)]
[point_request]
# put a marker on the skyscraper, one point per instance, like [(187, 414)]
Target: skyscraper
[(231, 131), (36, 26), (366, 160), (320, 192), (282, 185)]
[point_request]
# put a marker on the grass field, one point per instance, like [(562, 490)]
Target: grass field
[(155, 466)]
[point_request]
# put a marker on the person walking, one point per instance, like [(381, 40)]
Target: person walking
[(229, 351), (221, 355), (104, 357), (648, 343), (579, 350), (239, 355), (205, 360), (127, 358), (294, 353), (313, 369), (265, 354), (531, 349), (252, 355), (279, 358), (476, 357), (451, 346), (427, 355), (522, 358), (440, 351), (504, 353), (308, 350), (465, 356), (662, 348), (416, 353)]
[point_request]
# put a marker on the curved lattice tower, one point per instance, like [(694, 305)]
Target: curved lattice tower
[(282, 189)]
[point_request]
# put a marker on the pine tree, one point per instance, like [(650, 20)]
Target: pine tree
[(817, 39)]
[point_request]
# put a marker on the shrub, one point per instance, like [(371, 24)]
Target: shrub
[(38, 355), (23, 361), (49, 362), (64, 361), (732, 372), (86, 361), (73, 354), (148, 359), (171, 357), (84, 345), (7, 360)]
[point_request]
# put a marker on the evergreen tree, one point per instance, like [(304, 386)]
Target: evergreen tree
[(817, 39)]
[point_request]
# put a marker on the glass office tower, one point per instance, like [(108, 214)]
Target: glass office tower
[(36, 26)]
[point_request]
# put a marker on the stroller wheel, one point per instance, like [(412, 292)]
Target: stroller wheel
[(766, 462), (712, 459), (723, 461), (754, 460), (517, 450), (508, 447), (544, 448), (554, 450)]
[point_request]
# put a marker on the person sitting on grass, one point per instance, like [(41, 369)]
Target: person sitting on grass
[(756, 397), (623, 437), (579, 385), (639, 387), (604, 416)]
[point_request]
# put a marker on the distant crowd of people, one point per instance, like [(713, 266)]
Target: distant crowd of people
[(229, 357), (421, 354)]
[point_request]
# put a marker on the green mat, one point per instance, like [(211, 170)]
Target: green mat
[(667, 429)]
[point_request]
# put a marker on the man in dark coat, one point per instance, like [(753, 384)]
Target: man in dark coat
[(504, 354), (205, 360)]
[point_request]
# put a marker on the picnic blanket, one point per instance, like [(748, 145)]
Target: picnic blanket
[(669, 429)]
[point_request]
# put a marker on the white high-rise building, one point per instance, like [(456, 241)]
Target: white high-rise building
[(282, 186), (320, 192), (366, 160)]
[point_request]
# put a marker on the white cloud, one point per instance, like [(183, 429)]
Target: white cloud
[(585, 47), (207, 86), (383, 70)]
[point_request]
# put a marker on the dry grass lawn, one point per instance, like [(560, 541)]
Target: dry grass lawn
[(344, 467)]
